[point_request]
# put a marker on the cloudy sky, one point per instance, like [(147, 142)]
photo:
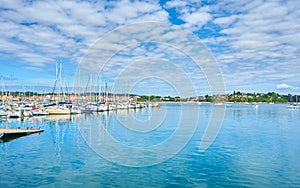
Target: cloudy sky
[(255, 43)]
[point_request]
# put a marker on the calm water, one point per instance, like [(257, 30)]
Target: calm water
[(254, 148)]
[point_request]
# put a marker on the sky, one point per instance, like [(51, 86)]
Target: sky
[(254, 43)]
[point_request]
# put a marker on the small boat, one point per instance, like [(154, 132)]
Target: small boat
[(255, 105), (219, 103), (39, 112), (293, 106), (3, 115), (229, 103), (154, 104), (112, 107), (131, 106), (90, 108), (11, 114), (122, 106), (76, 110)]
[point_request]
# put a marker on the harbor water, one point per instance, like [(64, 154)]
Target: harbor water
[(255, 147)]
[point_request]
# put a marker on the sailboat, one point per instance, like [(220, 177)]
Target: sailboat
[(295, 105), (58, 109)]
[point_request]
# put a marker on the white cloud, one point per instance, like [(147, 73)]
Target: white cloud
[(254, 41), (125, 12), (192, 13), (259, 42), (196, 19), (175, 4), (285, 86), (152, 49), (64, 29), (226, 21)]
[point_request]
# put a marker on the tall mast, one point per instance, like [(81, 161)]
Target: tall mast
[(128, 91), (91, 87), (10, 91), (57, 85), (99, 92), (79, 86), (60, 68), (106, 92), (149, 96), (2, 90)]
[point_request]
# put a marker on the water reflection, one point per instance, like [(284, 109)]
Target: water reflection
[(256, 147)]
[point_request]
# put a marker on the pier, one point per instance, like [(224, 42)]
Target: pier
[(10, 134)]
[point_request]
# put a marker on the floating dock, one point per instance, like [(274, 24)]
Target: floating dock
[(10, 134)]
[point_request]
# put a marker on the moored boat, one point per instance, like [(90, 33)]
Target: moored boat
[(293, 106), (58, 111)]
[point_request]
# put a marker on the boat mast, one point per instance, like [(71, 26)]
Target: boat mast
[(149, 96), (128, 91), (2, 90), (10, 91), (91, 88), (106, 92), (99, 90), (79, 95), (58, 85)]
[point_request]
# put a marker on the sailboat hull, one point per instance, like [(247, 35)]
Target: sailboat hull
[(58, 111)]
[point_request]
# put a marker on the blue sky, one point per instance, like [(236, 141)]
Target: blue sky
[(255, 43)]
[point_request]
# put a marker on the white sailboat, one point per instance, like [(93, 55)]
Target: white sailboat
[(39, 112), (76, 110), (58, 110), (295, 105)]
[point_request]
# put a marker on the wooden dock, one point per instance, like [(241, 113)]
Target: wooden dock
[(10, 134)]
